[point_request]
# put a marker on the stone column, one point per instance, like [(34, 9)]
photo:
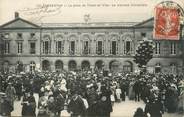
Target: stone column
[(105, 41), (52, 44), (66, 45), (93, 44), (80, 44)]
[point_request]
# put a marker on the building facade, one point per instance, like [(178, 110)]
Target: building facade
[(95, 46)]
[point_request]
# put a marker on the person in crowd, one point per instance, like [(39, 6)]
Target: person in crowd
[(154, 108), (6, 107), (131, 93), (42, 106), (76, 105), (60, 88), (92, 98), (139, 113), (124, 88), (28, 105), (18, 88), (137, 90), (60, 101), (104, 104), (181, 98), (11, 94), (119, 93), (171, 99), (51, 106)]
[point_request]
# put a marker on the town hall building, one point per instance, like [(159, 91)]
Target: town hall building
[(109, 46)]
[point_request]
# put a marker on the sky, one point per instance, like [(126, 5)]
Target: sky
[(73, 11)]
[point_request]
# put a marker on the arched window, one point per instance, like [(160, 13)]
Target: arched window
[(72, 44), (59, 44), (85, 65), (58, 65), (128, 45), (114, 66), (99, 65), (128, 66), (72, 65), (100, 45), (45, 65), (114, 44), (46, 44), (86, 45)]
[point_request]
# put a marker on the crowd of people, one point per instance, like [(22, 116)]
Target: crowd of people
[(88, 94)]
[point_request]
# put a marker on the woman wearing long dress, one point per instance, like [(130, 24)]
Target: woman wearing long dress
[(28, 105), (131, 93)]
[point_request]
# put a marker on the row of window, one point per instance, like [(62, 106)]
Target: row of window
[(173, 48), (19, 47), (86, 47), (19, 35)]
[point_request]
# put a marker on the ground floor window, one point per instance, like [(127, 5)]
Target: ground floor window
[(45, 65), (58, 65), (72, 65), (85, 65)]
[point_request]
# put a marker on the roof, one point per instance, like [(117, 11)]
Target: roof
[(92, 24), (78, 25), (145, 22), (19, 19)]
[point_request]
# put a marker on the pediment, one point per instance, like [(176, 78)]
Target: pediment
[(19, 23)]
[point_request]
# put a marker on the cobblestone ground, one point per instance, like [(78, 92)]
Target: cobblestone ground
[(122, 109)]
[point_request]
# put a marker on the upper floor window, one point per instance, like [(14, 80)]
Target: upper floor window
[(100, 45), (99, 48), (173, 47), (73, 40), (86, 49), (32, 48), (128, 47), (72, 47), (113, 47), (46, 47), (19, 35), (59, 47), (6, 47), (46, 44), (19, 47), (86, 45), (157, 48)]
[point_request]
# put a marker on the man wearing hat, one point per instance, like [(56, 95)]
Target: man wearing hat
[(76, 106), (28, 105), (6, 107), (11, 93)]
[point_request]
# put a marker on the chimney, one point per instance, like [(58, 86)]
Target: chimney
[(16, 15)]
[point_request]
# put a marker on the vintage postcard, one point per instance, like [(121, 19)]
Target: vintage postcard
[(85, 58)]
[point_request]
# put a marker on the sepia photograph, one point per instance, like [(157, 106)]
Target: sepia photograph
[(91, 58)]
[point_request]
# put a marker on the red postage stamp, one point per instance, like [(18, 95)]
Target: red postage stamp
[(166, 25)]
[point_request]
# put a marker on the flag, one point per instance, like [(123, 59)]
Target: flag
[(166, 23)]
